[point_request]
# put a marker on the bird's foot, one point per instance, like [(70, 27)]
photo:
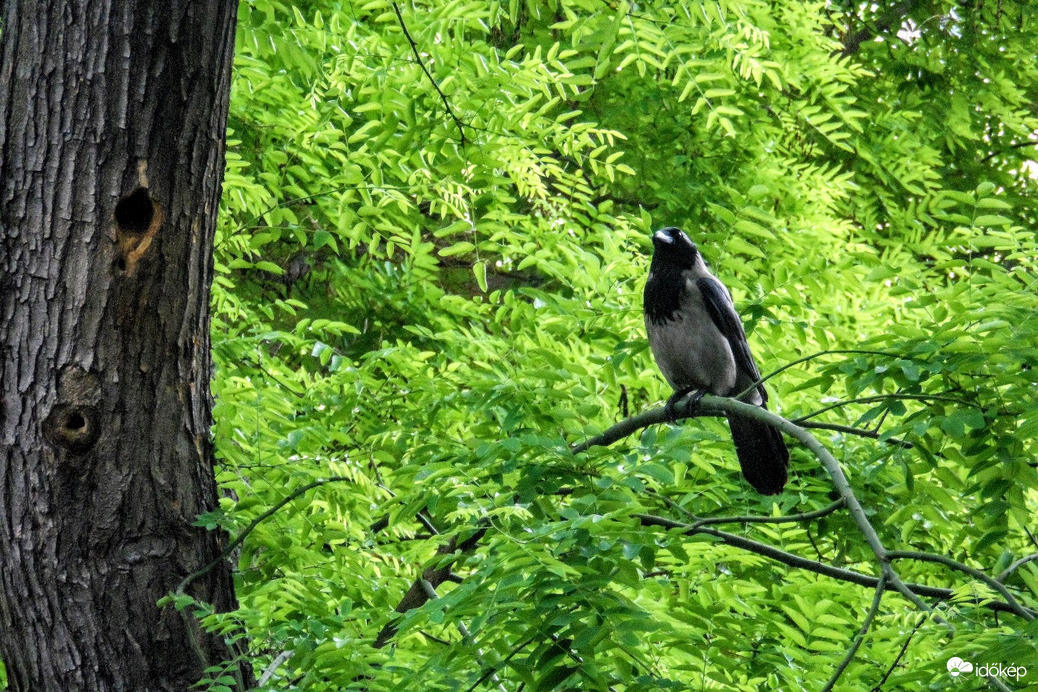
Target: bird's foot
[(690, 406)]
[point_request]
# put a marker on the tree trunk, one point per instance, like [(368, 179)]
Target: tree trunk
[(112, 123)]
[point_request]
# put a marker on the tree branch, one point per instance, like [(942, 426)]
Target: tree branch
[(627, 427), (885, 397), (434, 575), (711, 405), (851, 430), (493, 669), (466, 634), (975, 573), (714, 405), (900, 655), (252, 525), (860, 636), (1015, 566), (421, 63), (839, 482), (1014, 145), (812, 356), (793, 560), (890, 18), (750, 519)]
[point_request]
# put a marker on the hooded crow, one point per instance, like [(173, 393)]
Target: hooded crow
[(698, 342)]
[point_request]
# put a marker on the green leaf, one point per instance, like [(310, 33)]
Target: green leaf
[(480, 270)]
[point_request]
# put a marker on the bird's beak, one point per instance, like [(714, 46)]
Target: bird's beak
[(661, 237)]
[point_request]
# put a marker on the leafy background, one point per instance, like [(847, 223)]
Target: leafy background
[(428, 287)]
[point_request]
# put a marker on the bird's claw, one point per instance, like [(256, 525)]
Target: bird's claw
[(690, 406)]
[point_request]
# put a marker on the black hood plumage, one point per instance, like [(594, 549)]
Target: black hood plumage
[(672, 247), (673, 254)]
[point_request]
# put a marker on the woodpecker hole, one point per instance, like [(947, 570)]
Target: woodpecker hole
[(137, 220), (75, 422), (76, 428), (135, 212)]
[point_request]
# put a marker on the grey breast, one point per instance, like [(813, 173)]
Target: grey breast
[(690, 350)]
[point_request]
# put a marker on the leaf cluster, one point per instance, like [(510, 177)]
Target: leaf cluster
[(431, 308)]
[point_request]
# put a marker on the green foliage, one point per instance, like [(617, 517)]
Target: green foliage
[(429, 306)]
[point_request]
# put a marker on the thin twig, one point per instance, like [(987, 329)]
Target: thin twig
[(466, 634), (817, 354), (493, 669), (811, 540), (851, 430), (860, 637), (1015, 566), (1004, 150), (252, 525), (750, 519), (1025, 613), (421, 63), (885, 397), (793, 560), (425, 521), (900, 655)]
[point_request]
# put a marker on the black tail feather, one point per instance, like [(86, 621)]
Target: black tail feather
[(762, 454)]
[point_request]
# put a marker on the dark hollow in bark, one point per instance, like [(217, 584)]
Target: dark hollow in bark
[(135, 212)]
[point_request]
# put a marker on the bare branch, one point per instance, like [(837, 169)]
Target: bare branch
[(793, 560), (1015, 566), (860, 636), (252, 525), (421, 63), (995, 584), (900, 655)]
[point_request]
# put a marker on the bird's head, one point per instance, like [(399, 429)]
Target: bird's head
[(672, 246)]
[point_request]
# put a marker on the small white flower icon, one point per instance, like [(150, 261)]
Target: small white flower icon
[(956, 666)]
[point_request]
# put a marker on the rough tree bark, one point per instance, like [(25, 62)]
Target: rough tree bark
[(112, 120)]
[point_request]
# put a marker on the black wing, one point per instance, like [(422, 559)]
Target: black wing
[(722, 313)]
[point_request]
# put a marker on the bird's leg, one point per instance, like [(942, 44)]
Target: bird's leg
[(677, 396), (690, 406)]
